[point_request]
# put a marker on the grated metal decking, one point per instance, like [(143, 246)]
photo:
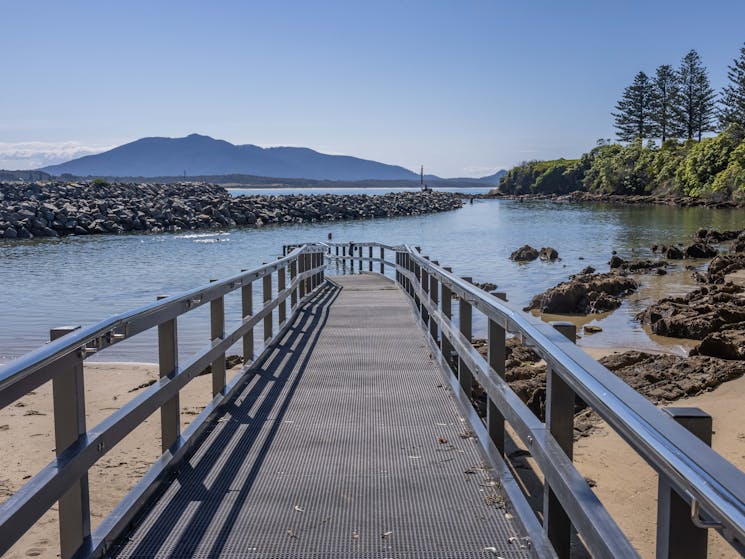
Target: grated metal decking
[(347, 444)]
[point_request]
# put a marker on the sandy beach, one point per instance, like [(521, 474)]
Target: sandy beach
[(27, 441), (625, 484)]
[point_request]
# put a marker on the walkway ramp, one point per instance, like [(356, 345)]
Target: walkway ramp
[(346, 444)]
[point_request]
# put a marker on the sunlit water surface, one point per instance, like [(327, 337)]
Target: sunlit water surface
[(80, 280)]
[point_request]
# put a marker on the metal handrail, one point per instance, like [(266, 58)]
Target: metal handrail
[(61, 360), (692, 467), (701, 476)]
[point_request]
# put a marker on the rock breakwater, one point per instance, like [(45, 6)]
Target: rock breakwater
[(54, 209)]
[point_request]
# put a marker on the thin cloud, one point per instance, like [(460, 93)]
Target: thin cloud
[(32, 155)]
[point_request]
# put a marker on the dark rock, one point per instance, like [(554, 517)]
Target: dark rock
[(486, 286), (674, 253), (727, 344), (585, 293), (525, 253), (616, 262), (697, 314), (700, 250), (724, 264), (666, 378), (548, 254), (82, 208)]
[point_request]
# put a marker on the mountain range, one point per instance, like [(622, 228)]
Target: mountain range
[(196, 155)]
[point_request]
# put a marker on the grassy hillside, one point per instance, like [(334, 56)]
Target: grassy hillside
[(712, 168)]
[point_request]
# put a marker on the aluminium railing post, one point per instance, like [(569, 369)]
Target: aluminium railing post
[(382, 260), (434, 298), (247, 310), (447, 310), (308, 268), (465, 320), (68, 398), (677, 536), (170, 420), (281, 284), (560, 422), (497, 354), (267, 298), (217, 332), (424, 283), (317, 274), (312, 268), (370, 257), (301, 271), (293, 293), (418, 279)]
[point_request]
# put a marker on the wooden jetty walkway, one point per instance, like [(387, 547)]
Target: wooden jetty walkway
[(363, 424)]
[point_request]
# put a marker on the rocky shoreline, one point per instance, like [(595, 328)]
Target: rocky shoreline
[(676, 200), (56, 209), (714, 315)]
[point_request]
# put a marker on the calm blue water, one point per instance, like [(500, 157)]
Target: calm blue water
[(81, 280), (372, 190)]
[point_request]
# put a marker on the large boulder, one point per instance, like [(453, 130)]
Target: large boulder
[(548, 254), (525, 253), (724, 264), (697, 314), (584, 294), (700, 250), (673, 253), (727, 344)]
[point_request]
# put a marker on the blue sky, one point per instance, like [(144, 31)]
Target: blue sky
[(463, 87)]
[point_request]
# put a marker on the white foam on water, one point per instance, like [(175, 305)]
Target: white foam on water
[(202, 235), (211, 240)]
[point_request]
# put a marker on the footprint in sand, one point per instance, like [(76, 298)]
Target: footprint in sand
[(34, 552)]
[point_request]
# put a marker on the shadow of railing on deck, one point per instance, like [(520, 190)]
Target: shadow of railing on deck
[(278, 369)]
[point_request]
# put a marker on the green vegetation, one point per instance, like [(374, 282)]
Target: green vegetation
[(673, 104), (712, 168), (558, 176), (99, 182)]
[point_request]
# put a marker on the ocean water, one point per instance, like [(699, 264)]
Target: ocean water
[(81, 280)]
